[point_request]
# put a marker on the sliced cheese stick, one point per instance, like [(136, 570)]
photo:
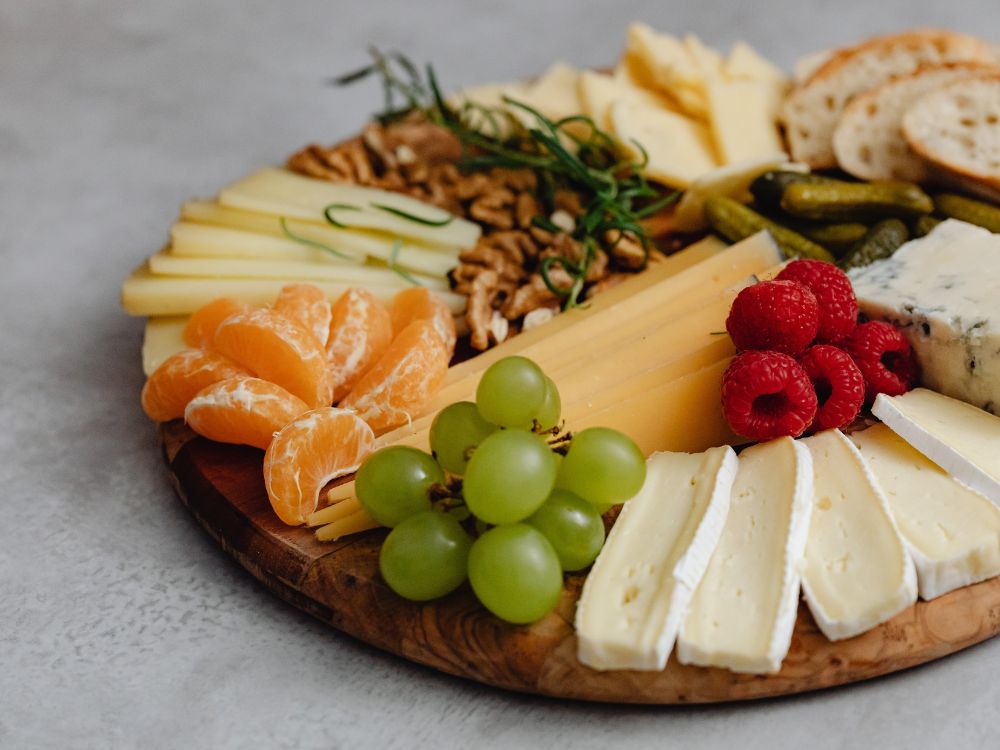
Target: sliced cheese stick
[(958, 437), (857, 570), (638, 592), (743, 612), (953, 533)]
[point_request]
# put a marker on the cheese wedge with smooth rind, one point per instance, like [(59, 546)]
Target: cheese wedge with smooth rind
[(637, 594), (952, 532)]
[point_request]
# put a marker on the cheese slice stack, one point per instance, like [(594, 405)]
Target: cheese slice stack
[(743, 612), (857, 570), (956, 436), (638, 592), (953, 533)]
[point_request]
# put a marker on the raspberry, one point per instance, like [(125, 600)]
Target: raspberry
[(778, 315), (838, 307), (839, 384), (767, 395), (884, 357)]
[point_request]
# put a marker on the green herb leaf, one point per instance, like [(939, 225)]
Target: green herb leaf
[(312, 243)]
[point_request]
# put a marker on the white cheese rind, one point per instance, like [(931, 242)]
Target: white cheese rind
[(637, 594), (743, 613), (958, 437), (952, 532), (858, 572), (942, 291)]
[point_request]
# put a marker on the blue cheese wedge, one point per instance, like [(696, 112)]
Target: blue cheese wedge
[(743, 613), (953, 533), (943, 290), (638, 592), (857, 571), (960, 438)]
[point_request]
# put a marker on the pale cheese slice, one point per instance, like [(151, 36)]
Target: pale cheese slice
[(745, 62), (485, 108), (672, 65), (599, 91), (743, 116), (554, 94), (857, 571), (162, 338), (953, 533), (679, 149), (637, 594), (958, 437), (743, 613)]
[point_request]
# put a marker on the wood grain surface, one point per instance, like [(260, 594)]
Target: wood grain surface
[(339, 583)]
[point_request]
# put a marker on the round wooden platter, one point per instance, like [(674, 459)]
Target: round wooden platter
[(339, 583)]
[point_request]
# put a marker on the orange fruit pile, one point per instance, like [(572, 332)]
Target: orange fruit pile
[(267, 377)]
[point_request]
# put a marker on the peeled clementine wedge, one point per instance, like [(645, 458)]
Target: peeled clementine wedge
[(201, 326), (401, 383), (308, 306), (419, 303), (360, 332), (242, 410), (175, 382), (309, 452), (274, 348)]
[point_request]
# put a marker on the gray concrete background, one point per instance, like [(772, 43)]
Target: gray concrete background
[(121, 624)]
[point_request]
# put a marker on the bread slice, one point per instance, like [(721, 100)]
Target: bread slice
[(956, 128), (868, 140), (811, 113)]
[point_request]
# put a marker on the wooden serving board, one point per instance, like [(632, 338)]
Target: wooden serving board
[(339, 583)]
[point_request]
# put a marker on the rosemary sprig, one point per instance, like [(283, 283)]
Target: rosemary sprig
[(397, 245), (413, 217), (312, 243)]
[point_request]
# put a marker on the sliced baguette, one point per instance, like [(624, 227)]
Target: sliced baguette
[(956, 128), (869, 141), (811, 113)]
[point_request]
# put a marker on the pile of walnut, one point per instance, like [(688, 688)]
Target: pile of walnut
[(499, 275)]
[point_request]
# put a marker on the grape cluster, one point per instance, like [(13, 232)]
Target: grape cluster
[(503, 500)]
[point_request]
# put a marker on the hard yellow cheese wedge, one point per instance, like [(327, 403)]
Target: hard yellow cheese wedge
[(163, 337)]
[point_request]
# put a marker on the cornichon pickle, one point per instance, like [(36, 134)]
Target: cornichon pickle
[(838, 238), (967, 209), (849, 201), (735, 222), (881, 241), (770, 186), (925, 224)]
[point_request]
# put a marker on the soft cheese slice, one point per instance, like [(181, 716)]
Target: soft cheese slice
[(857, 571), (953, 533), (958, 437), (638, 592), (743, 612), (942, 291)]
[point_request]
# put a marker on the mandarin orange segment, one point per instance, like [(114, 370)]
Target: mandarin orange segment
[(203, 323), (175, 382), (308, 453), (360, 332), (242, 410), (419, 303), (401, 383), (308, 306), (274, 348)]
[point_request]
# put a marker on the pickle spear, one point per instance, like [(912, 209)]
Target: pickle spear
[(734, 221), (849, 201), (881, 241), (966, 209)]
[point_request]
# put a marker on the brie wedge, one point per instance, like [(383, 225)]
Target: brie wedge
[(636, 596), (743, 613), (857, 571), (958, 437), (953, 533)]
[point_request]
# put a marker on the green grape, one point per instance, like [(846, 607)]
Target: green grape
[(455, 430), (426, 556), (509, 476), (511, 392), (392, 483), (551, 409), (573, 527), (515, 573), (603, 466)]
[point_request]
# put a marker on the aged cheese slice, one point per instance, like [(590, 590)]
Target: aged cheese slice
[(679, 149), (599, 91), (958, 437), (857, 571), (953, 533), (745, 62), (743, 613), (163, 337), (743, 116), (554, 94), (637, 594)]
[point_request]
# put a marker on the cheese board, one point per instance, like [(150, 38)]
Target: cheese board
[(653, 385), (339, 584)]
